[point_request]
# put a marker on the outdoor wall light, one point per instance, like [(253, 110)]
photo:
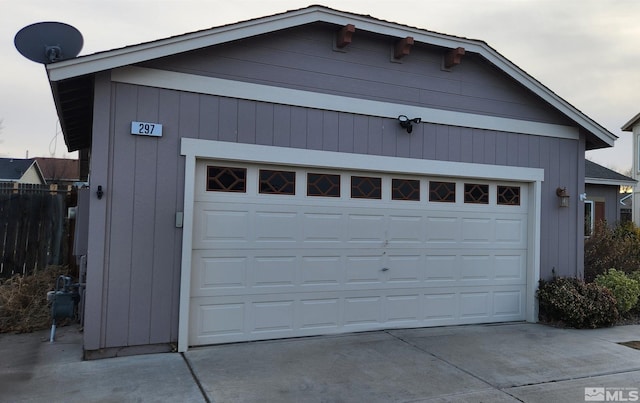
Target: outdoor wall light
[(564, 196), (407, 123)]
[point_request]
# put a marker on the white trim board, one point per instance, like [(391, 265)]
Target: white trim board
[(286, 96), (612, 182), (194, 149), (260, 154), (102, 61)]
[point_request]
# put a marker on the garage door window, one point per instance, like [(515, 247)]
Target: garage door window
[(405, 189), (476, 194), (509, 195), (444, 192), (226, 179), (323, 185), (277, 182), (365, 187)]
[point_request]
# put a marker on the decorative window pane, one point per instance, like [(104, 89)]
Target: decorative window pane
[(474, 193), (405, 189), (277, 182), (225, 179), (509, 195), (442, 192), (323, 185), (363, 187)]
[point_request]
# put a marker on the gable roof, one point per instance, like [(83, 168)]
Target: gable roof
[(56, 169), (13, 169), (628, 127), (72, 79), (596, 174)]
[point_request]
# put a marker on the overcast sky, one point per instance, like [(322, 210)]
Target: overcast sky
[(586, 51)]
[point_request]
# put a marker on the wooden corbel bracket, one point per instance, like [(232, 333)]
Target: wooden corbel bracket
[(344, 35), (403, 47), (453, 57)]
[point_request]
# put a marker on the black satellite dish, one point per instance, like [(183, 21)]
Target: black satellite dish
[(48, 42)]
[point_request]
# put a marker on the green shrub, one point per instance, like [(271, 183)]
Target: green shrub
[(624, 289), (576, 303), (635, 275), (609, 247)]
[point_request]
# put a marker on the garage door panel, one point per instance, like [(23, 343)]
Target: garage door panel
[(404, 268), (442, 230), (272, 316), (366, 228), (441, 305), (213, 272), (403, 309), (208, 222), (510, 231), (508, 304), (510, 267), (215, 321), (362, 311), (321, 270), (403, 230), (322, 227), (475, 304), (276, 226), (364, 269), (274, 271), (271, 266), (476, 230), (256, 317), (320, 314)]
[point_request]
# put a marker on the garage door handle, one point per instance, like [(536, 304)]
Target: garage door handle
[(385, 269)]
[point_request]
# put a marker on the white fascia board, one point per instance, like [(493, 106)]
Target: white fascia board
[(611, 182), (197, 40), (286, 96), (628, 127), (183, 43), (222, 150)]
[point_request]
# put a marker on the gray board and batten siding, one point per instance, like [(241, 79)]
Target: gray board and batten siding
[(138, 255)]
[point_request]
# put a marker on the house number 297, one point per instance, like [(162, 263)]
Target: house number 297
[(146, 129)]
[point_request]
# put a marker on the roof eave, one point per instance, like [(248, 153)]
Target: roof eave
[(611, 182), (152, 50), (628, 127)]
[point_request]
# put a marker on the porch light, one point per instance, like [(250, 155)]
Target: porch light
[(564, 196)]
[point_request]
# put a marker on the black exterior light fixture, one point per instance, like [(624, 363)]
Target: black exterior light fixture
[(407, 123), (563, 195)]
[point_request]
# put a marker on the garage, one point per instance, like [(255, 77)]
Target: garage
[(287, 251), (316, 172)]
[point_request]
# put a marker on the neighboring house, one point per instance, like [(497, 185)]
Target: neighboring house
[(60, 171), (633, 126), (317, 172), (603, 201), (626, 208), (16, 170)]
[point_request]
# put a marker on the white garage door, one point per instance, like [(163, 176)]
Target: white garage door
[(284, 252)]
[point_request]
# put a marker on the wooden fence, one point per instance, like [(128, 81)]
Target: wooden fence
[(34, 229)]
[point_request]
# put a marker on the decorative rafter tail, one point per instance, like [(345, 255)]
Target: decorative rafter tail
[(453, 57), (344, 35), (403, 47)]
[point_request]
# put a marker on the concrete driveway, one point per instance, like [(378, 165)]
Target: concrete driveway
[(480, 363)]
